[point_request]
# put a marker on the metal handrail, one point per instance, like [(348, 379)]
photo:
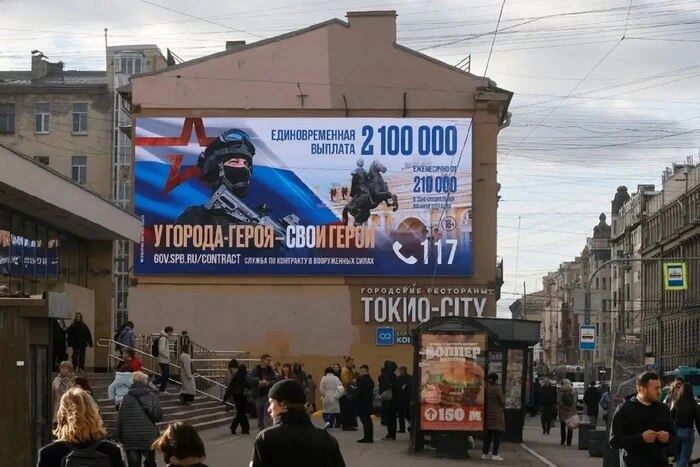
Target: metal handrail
[(110, 344)]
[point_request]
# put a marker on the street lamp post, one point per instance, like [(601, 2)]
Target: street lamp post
[(588, 355)]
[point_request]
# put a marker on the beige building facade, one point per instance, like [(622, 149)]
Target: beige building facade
[(334, 69), (671, 230)]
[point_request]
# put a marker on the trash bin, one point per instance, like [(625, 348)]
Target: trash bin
[(583, 430), (596, 443)]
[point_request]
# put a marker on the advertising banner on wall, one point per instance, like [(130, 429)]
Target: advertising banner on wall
[(452, 381), (304, 196)]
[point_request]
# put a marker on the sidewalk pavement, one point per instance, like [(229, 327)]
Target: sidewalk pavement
[(223, 449), (548, 446)]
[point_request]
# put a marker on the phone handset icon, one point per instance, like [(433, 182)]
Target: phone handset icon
[(406, 259)]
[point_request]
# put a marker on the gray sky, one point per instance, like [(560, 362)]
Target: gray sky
[(572, 140)]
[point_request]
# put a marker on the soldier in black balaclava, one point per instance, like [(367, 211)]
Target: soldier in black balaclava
[(228, 160)]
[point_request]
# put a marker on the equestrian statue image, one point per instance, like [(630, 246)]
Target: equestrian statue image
[(367, 191)]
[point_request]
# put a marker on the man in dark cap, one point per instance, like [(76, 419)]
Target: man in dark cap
[(226, 161), (293, 440)]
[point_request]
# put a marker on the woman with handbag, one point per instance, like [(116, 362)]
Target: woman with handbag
[(388, 387)]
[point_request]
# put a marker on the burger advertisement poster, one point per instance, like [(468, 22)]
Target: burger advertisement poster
[(452, 381), (304, 196)]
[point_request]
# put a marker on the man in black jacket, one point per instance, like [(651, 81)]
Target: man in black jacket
[(365, 403), (293, 440), (548, 402), (642, 427), (592, 400), (405, 382), (389, 387)]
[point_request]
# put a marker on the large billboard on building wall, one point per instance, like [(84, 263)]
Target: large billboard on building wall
[(304, 196)]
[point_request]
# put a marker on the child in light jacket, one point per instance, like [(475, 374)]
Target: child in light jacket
[(121, 384)]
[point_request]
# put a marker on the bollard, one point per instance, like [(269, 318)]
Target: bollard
[(596, 443), (583, 430)]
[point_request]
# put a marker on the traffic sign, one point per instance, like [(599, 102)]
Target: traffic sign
[(608, 362), (385, 336), (675, 276), (586, 337)]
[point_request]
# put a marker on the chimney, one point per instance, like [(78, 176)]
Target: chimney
[(40, 67), (234, 45), (379, 25)]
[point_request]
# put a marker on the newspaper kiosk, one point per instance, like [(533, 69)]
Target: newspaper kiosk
[(452, 359)]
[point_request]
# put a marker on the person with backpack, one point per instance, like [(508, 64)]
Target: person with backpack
[(160, 349), (136, 426), (81, 436), (125, 337), (567, 411)]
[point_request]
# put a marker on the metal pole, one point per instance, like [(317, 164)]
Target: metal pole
[(622, 318), (524, 300), (588, 360), (660, 315)]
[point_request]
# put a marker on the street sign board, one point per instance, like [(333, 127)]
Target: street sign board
[(586, 337), (385, 336), (675, 276)]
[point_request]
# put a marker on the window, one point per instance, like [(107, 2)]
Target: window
[(80, 114), (605, 285), (42, 159), (42, 114), (79, 169), (129, 65), (7, 119)]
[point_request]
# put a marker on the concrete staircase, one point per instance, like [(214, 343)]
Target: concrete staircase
[(205, 412)]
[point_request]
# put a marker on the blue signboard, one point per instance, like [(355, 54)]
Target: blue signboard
[(385, 336), (675, 276), (587, 337), (304, 196)]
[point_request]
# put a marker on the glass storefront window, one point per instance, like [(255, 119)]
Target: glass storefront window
[(5, 252), (34, 258), (29, 252), (42, 257), (74, 261), (17, 255), (52, 257)]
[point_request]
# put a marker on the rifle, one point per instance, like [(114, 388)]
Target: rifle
[(234, 207)]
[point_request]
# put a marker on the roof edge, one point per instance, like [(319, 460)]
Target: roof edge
[(252, 45), (68, 179)]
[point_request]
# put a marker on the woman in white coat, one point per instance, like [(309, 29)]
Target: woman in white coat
[(331, 389), (186, 376)]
